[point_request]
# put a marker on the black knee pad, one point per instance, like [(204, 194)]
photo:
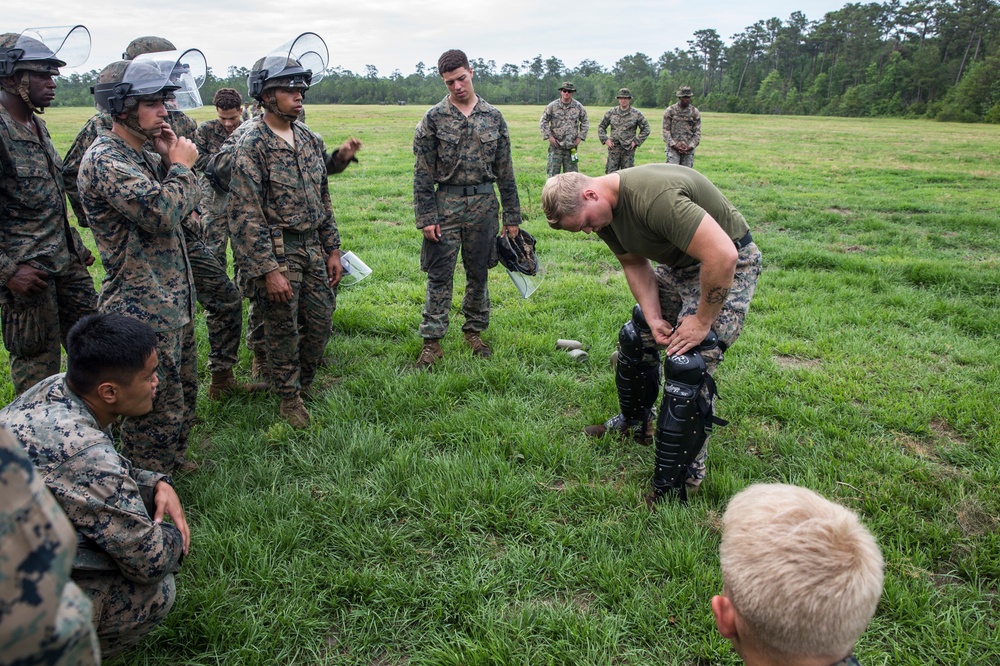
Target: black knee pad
[(637, 379)]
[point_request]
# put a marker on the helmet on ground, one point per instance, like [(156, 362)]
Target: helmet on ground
[(150, 44), (299, 63), (518, 253), (43, 50), (169, 75)]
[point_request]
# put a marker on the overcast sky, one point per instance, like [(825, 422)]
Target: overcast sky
[(397, 34)]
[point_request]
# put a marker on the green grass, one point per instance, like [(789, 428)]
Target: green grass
[(461, 517)]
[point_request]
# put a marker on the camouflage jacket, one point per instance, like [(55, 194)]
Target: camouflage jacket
[(451, 149), (108, 501), (135, 207), (44, 616), (623, 125), (209, 138), (565, 122), (182, 124), (34, 228), (71, 165), (681, 126), (277, 187)]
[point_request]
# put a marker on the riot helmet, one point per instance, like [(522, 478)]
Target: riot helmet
[(173, 75), (517, 254), (299, 63), (42, 50), (149, 44)]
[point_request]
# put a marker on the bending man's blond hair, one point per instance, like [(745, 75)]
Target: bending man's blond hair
[(802, 572), (561, 196)]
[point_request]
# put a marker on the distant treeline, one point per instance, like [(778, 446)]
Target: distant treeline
[(924, 58)]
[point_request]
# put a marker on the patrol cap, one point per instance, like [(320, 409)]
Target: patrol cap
[(684, 91), (567, 86), (148, 44), (44, 49), (623, 93)]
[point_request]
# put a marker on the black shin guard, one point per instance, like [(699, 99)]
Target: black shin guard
[(637, 378), (685, 419)]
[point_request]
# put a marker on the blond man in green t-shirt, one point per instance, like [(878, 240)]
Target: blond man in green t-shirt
[(692, 303)]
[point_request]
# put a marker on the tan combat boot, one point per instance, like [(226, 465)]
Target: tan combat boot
[(223, 382), (429, 355), (294, 411), (479, 347)]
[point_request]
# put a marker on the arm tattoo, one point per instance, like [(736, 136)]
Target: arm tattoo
[(717, 295)]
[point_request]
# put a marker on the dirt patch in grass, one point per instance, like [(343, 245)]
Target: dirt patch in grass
[(941, 581), (943, 430), (840, 211), (793, 362), (975, 520), (915, 445), (856, 248)]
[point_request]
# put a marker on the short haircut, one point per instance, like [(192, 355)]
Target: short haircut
[(227, 98), (561, 196), (451, 60), (802, 572), (106, 347)]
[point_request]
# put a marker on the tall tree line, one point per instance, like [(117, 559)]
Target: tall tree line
[(923, 58)]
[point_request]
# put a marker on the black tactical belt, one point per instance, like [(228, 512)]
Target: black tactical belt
[(467, 190), (743, 242), (296, 237)]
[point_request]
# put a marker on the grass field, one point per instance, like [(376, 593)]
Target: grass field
[(461, 517)]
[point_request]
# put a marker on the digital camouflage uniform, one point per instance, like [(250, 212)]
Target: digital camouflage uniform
[(136, 207), (71, 164), (182, 124), (680, 290), (681, 126), (45, 618), (451, 150), (566, 122), (281, 218), (125, 561), (623, 126), (209, 138), (35, 230)]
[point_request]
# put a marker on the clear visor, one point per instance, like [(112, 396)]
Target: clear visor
[(68, 43), (180, 72), (527, 284), (308, 49)]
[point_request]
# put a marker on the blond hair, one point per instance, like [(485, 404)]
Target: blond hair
[(561, 196), (802, 572)]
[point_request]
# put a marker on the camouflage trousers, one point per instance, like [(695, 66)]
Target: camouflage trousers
[(680, 291), (673, 157), (296, 332), (560, 161), (222, 302), (216, 235), (125, 611), (469, 225), (619, 158), (34, 327), (158, 441)]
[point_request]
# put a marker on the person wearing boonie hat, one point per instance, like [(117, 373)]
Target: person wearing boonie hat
[(623, 141), (682, 129), (564, 125)]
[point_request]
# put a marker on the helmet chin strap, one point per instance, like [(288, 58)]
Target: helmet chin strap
[(272, 106), (131, 125), (21, 90)]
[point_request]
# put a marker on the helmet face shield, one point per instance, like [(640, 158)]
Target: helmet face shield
[(299, 63), (181, 73), (61, 46)]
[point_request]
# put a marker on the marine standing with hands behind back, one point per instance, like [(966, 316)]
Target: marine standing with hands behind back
[(564, 125), (461, 148)]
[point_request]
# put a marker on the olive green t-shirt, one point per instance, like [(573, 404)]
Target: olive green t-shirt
[(659, 209)]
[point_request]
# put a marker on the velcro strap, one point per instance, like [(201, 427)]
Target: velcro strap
[(467, 190)]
